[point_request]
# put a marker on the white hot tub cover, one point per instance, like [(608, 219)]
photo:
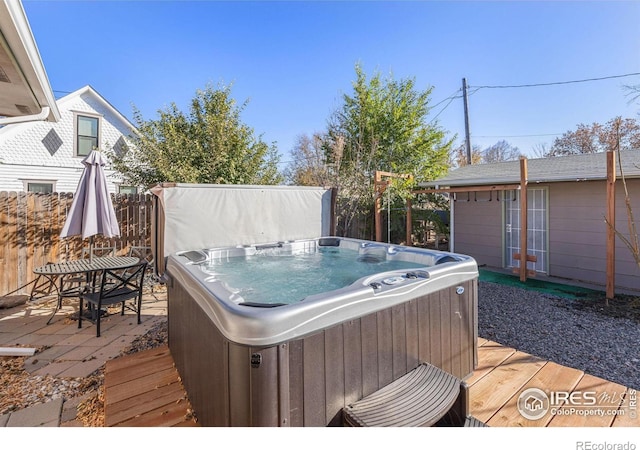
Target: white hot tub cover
[(198, 216)]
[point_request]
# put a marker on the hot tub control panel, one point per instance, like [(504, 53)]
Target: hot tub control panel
[(390, 281)]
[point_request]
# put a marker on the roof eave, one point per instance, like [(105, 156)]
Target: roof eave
[(489, 182), (19, 38), (91, 91)]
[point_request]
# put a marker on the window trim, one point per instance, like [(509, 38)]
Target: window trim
[(127, 186), (26, 184), (76, 115), (506, 197)]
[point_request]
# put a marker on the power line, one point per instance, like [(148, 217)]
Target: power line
[(451, 98), (521, 135), (445, 107), (557, 82)]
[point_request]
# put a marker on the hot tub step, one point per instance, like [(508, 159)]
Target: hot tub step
[(419, 398), (474, 422)]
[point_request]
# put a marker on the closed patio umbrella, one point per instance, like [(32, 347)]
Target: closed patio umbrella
[(91, 212)]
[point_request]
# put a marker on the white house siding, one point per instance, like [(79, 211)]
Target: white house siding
[(24, 156), (65, 178)]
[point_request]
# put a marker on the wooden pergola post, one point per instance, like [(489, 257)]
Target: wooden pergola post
[(611, 224), (408, 240), (523, 218), (377, 181), (380, 186)]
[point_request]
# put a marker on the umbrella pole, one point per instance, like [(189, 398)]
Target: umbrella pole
[(91, 250)]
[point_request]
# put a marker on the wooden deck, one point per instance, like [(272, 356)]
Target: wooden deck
[(504, 373), (144, 389)]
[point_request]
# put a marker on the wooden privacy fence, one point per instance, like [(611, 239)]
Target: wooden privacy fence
[(30, 226)]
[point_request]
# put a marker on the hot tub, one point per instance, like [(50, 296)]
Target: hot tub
[(248, 357)]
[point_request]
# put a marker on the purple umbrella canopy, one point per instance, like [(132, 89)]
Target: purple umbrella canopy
[(92, 212)]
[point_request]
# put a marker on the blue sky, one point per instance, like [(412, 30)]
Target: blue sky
[(292, 60)]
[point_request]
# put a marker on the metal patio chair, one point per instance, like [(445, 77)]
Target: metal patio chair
[(145, 254), (116, 287)]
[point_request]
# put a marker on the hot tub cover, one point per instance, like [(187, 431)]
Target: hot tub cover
[(197, 216)]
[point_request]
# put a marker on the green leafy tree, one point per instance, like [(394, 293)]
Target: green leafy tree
[(381, 125), (209, 144)]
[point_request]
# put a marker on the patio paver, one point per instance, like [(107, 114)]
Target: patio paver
[(40, 415)]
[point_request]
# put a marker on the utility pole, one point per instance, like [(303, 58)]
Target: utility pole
[(466, 120)]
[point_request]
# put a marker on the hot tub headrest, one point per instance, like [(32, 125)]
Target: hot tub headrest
[(372, 254)]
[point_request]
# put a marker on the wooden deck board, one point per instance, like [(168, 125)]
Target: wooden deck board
[(495, 389), (628, 420), (135, 386), (144, 390), (147, 401), (140, 370), (490, 356), (552, 377), (128, 361), (608, 397), (165, 416)]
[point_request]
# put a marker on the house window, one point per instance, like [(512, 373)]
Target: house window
[(127, 189), (39, 187), (87, 134)]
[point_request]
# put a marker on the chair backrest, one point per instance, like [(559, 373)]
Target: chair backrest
[(99, 251), (142, 252), (116, 282)]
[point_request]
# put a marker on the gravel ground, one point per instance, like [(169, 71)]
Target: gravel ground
[(600, 340)]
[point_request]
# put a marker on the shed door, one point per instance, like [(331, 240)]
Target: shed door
[(537, 228)]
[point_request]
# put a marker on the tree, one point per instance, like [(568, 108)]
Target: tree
[(459, 155), (632, 240), (540, 150), (633, 92), (210, 144), (309, 165), (381, 125), (598, 138), (500, 151)]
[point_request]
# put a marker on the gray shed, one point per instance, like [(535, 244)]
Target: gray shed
[(566, 208)]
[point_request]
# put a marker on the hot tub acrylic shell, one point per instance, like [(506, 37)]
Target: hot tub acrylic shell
[(300, 364)]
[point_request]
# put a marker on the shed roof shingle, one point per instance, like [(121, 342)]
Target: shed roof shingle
[(584, 167)]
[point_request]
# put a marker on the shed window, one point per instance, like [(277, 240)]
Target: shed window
[(537, 228), (87, 129)]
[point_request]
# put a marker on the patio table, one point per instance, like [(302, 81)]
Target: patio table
[(82, 266)]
